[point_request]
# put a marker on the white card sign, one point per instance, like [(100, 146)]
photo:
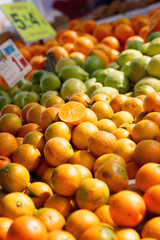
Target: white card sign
[(13, 65)]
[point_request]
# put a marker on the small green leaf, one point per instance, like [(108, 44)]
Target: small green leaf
[(32, 194)]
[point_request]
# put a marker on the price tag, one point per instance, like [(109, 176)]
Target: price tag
[(13, 66), (28, 21)]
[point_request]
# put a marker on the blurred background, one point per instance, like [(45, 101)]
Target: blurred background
[(60, 12)]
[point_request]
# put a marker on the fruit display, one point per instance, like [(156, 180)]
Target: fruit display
[(80, 146)]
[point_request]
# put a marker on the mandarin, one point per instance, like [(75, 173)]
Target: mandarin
[(26, 230), (65, 180), (127, 208), (57, 151), (92, 194), (147, 176), (79, 221)]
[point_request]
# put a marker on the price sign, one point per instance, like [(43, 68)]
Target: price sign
[(28, 21), (13, 66)]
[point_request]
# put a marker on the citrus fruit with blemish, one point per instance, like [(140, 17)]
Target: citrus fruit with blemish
[(27, 155), (101, 142), (91, 194), (58, 129), (33, 114), (14, 177), (48, 116), (10, 123), (114, 175), (108, 157), (122, 117), (102, 110), (124, 147), (144, 129), (106, 125), (57, 151), (35, 138)]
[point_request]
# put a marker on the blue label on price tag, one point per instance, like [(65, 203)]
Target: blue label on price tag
[(13, 66)]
